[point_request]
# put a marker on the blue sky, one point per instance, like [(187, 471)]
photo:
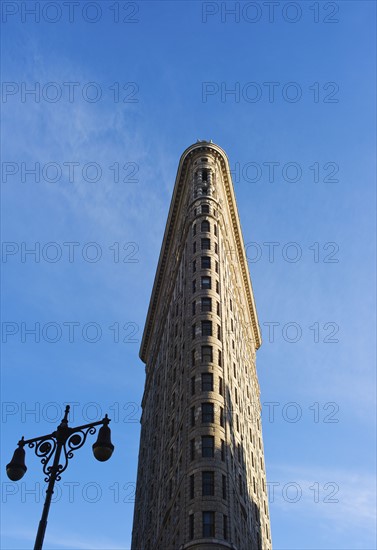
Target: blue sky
[(108, 145)]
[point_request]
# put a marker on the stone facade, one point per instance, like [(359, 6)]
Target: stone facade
[(201, 481)]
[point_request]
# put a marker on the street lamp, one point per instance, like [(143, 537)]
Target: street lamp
[(49, 447)]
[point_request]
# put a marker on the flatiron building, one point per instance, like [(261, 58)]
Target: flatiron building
[(201, 481)]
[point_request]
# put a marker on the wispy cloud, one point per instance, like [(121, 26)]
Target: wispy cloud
[(106, 132), (340, 499)]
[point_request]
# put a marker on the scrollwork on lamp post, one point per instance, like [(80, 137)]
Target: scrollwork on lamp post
[(50, 447)]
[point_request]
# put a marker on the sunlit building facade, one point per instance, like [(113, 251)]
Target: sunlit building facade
[(201, 482)]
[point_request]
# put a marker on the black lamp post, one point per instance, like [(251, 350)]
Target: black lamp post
[(50, 446)]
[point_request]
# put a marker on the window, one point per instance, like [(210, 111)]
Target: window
[(207, 381), (206, 328), (221, 416), (192, 449), (205, 227), (231, 304), (193, 358), (205, 208), (206, 262), (206, 283), (208, 446), (256, 512), (215, 229), (220, 359), (192, 417), (208, 484), (194, 266), (218, 308), (191, 526), (206, 304), (193, 307), (204, 175), (206, 354), (208, 524), (194, 285), (206, 244), (224, 487), (192, 486), (221, 389), (225, 527), (223, 450), (207, 413), (194, 247), (194, 229), (193, 331), (217, 287), (218, 332), (216, 248), (193, 385), (217, 267)]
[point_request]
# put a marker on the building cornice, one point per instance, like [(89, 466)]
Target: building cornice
[(170, 229)]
